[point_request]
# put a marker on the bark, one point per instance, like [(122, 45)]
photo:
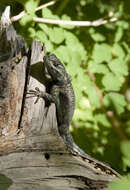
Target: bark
[(32, 153)]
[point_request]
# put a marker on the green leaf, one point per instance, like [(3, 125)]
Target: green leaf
[(44, 27), (66, 17), (123, 24), (126, 46), (97, 37), (88, 88), (47, 13), (111, 82), (74, 45), (49, 46), (74, 65), (83, 2), (102, 119), (118, 51), (77, 90), (5, 181), (101, 52), (118, 67), (123, 184), (91, 30), (25, 19), (119, 34), (110, 26), (56, 35), (93, 96), (125, 146), (84, 115), (94, 67), (32, 32), (84, 103), (116, 100), (40, 35), (63, 53), (70, 39), (31, 5)]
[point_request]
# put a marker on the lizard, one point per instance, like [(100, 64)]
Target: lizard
[(62, 95)]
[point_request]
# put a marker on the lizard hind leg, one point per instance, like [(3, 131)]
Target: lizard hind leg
[(65, 134)]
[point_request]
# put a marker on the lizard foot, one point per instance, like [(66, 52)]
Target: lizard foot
[(36, 93)]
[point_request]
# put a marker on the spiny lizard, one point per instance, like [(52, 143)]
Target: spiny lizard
[(62, 95)]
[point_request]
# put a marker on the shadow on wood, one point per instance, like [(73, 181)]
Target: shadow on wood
[(32, 153)]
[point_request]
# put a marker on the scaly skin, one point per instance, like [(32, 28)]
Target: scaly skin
[(62, 95)]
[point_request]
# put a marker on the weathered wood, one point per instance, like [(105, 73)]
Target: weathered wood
[(33, 155), (12, 83), (56, 171)]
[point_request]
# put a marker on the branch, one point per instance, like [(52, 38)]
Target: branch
[(110, 114), (100, 94), (20, 15), (116, 124), (64, 22), (74, 23)]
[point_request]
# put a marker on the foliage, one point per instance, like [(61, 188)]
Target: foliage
[(124, 183), (119, 185), (98, 60)]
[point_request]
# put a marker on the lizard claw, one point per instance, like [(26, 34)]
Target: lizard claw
[(36, 100), (31, 92), (35, 92)]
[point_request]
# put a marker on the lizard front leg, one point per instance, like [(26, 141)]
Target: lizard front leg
[(46, 96)]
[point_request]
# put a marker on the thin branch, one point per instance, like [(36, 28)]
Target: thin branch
[(62, 22), (110, 114), (45, 5), (20, 15), (116, 124), (92, 77), (74, 23)]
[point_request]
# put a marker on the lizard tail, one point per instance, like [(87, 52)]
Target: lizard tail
[(80, 151), (69, 140)]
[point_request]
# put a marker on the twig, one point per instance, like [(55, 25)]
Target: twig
[(62, 22), (92, 77), (110, 114), (74, 23), (45, 5), (116, 124), (20, 15)]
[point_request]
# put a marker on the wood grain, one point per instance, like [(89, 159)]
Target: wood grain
[(32, 153)]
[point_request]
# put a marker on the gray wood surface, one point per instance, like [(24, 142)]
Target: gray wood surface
[(32, 154)]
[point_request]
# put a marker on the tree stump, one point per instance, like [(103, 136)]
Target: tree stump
[(32, 153)]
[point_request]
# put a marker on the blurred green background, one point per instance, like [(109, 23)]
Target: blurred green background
[(98, 59)]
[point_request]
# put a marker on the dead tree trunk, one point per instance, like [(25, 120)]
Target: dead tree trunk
[(32, 154)]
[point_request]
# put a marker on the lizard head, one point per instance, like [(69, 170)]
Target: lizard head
[(55, 68)]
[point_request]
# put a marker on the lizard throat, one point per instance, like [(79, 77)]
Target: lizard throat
[(63, 83)]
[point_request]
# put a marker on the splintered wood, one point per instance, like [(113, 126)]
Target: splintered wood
[(32, 153)]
